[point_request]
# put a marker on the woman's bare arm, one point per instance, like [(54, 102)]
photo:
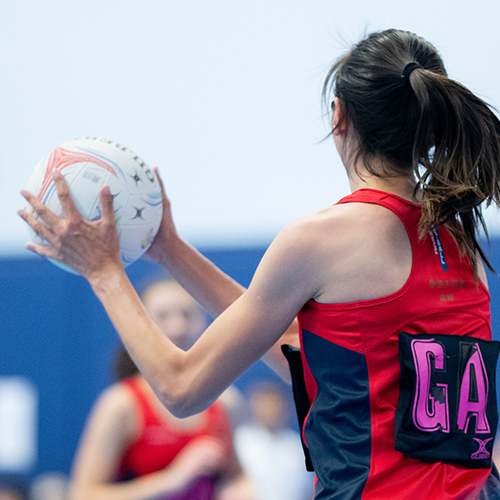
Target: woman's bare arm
[(186, 382)]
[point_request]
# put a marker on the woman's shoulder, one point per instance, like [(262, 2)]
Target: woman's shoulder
[(114, 416), (117, 401), (342, 246), (341, 223), (351, 233)]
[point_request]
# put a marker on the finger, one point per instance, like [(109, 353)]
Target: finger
[(67, 203), (162, 186), (106, 201), (157, 172), (165, 199), (40, 229), (41, 210), (44, 251)]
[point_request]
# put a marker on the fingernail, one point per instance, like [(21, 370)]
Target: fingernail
[(55, 173), (106, 190)]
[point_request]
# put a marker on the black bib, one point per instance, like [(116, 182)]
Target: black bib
[(447, 409)]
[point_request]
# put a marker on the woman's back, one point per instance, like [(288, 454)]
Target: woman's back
[(352, 358)]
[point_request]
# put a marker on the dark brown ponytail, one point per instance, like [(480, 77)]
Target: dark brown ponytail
[(424, 124), (461, 170)]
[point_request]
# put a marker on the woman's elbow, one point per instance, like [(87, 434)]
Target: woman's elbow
[(181, 404), (177, 396), (182, 398), (177, 404)]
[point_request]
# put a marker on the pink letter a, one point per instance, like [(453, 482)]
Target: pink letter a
[(468, 408)]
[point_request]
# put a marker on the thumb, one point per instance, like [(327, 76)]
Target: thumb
[(162, 186)]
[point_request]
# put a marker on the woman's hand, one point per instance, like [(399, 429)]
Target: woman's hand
[(167, 232), (204, 456), (88, 247)]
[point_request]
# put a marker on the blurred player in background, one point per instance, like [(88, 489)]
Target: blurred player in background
[(135, 449)]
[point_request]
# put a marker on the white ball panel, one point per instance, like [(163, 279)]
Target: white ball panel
[(85, 186)]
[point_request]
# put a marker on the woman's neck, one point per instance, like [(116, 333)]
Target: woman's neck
[(359, 176), (402, 186)]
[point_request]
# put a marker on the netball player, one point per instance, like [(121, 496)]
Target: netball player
[(388, 286), (133, 448)]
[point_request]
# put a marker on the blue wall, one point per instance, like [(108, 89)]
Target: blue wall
[(55, 332)]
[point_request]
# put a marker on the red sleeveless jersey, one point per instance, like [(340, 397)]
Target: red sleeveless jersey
[(350, 353), (159, 442)]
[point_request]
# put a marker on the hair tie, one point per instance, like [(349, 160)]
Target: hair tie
[(408, 69)]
